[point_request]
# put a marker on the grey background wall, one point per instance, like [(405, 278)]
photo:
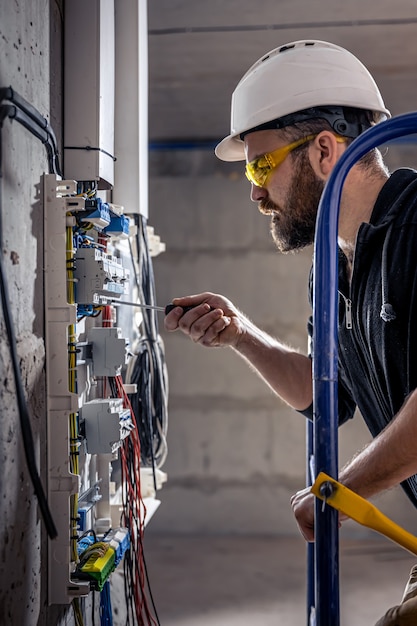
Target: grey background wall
[(236, 454)]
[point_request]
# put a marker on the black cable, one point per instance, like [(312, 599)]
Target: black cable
[(26, 114), (149, 585), (90, 531), (149, 371), (93, 609), (128, 587), (25, 423), (15, 114)]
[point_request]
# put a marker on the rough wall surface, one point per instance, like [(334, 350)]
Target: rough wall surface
[(25, 65)]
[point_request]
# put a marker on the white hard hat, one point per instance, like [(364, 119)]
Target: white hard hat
[(300, 75)]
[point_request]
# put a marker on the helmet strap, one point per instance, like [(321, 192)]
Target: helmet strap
[(345, 121)]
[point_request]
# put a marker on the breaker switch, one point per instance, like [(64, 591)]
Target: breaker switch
[(106, 424), (109, 352)]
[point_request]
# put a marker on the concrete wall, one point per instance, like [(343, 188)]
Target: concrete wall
[(30, 61), (236, 453)]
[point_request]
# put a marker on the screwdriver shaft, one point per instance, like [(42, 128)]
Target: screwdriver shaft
[(166, 309), (140, 305)]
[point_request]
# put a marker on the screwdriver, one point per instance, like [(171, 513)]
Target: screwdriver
[(166, 309)]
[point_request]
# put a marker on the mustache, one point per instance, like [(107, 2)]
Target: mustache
[(266, 207)]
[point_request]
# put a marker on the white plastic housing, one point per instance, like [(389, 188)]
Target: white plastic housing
[(99, 276), (108, 350), (106, 424), (131, 112), (89, 91), (59, 315)]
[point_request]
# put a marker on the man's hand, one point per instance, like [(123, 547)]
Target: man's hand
[(213, 321), (303, 508)]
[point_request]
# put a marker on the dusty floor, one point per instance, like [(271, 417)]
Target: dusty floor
[(260, 581)]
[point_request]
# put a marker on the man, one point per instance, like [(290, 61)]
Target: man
[(293, 115)]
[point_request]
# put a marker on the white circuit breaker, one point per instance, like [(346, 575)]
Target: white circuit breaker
[(109, 353), (99, 276), (106, 424)]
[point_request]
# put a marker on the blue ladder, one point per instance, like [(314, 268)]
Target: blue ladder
[(323, 559)]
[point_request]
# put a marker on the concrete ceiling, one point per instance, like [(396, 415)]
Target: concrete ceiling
[(199, 50)]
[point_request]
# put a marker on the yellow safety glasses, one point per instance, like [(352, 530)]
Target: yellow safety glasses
[(258, 170)]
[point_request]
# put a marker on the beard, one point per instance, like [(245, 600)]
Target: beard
[(293, 225)]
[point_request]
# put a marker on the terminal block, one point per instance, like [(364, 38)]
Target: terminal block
[(119, 226), (108, 350), (99, 276), (106, 424), (97, 212), (98, 568), (119, 540)]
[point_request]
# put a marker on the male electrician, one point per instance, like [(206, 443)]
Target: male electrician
[(294, 113)]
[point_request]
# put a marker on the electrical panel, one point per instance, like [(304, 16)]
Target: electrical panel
[(104, 450)]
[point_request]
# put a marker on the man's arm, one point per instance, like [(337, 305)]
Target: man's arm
[(215, 322), (388, 460)]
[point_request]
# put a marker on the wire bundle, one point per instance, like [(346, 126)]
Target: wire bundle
[(106, 616), (148, 371), (136, 579), (17, 108), (78, 615)]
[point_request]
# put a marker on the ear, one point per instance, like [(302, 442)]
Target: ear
[(325, 151)]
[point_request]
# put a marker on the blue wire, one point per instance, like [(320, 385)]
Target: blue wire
[(106, 614)]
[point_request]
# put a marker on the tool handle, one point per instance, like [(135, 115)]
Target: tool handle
[(169, 308), (363, 512)]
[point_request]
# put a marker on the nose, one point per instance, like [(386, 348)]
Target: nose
[(257, 193)]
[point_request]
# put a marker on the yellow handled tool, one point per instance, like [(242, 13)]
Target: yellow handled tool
[(348, 502)]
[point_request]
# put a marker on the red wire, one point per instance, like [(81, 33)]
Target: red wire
[(107, 316), (134, 510)]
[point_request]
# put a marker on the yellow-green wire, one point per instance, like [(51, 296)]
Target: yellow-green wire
[(77, 612), (70, 266), (72, 386)]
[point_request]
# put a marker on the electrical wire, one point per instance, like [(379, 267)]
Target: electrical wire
[(133, 517), (149, 431), (90, 531), (25, 422), (74, 443), (148, 371), (78, 616), (93, 609), (136, 579), (106, 617), (26, 114), (32, 120)]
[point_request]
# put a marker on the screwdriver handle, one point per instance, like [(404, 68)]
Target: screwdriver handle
[(169, 308)]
